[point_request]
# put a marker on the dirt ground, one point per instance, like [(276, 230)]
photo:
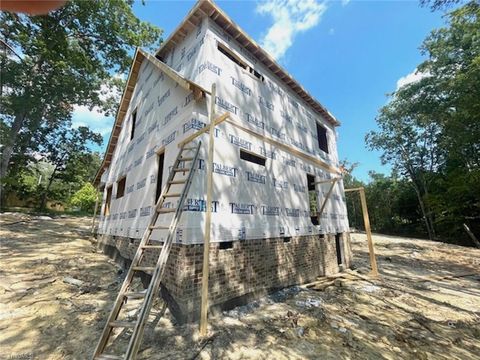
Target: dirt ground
[(56, 291)]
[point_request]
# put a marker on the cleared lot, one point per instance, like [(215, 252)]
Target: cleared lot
[(56, 291)]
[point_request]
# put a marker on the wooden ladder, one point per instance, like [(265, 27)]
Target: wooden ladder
[(188, 154)]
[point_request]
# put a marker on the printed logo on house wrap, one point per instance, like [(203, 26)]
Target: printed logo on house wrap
[(279, 184), (266, 103), (289, 162), (261, 179), (298, 188), (210, 66), (188, 99), (241, 86), (145, 211), (199, 205), (292, 212), (226, 105), (123, 215), (148, 110), (152, 128), (235, 140), (193, 124), (141, 183), (130, 188), (270, 210), (132, 213), (224, 170), (285, 115), (151, 152), (138, 161), (243, 209), (169, 139), (253, 120), (268, 153), (275, 132), (170, 115)]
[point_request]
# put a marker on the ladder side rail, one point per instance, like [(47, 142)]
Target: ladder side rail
[(102, 343), (157, 276)]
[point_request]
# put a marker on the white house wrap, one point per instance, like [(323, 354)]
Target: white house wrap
[(251, 201)]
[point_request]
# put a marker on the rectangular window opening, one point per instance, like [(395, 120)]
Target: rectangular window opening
[(322, 138), (231, 56), (106, 210), (161, 161), (257, 74), (248, 156), (121, 187), (134, 120), (224, 245), (312, 199)]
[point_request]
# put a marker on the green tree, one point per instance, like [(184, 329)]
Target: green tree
[(66, 58), (85, 198), (430, 130), (60, 149)]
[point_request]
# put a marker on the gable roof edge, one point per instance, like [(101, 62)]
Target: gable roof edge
[(140, 56)]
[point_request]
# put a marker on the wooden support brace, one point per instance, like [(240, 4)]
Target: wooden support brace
[(208, 216), (319, 213), (207, 128), (368, 231)]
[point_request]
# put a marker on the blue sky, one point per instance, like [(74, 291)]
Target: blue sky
[(347, 54)]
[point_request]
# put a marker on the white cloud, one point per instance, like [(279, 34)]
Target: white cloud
[(331, 31), (94, 119), (345, 2), (414, 76), (290, 17)]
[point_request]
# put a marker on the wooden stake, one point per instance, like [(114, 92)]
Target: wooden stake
[(366, 221), (208, 218), (472, 235)]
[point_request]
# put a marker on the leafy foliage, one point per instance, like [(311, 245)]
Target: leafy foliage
[(430, 130), (66, 58), (85, 198)]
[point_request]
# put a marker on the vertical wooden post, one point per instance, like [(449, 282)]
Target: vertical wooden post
[(208, 217), (95, 211), (366, 221)]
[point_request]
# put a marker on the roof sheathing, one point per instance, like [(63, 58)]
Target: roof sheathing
[(206, 8)]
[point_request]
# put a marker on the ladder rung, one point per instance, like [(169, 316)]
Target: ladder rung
[(177, 182), (172, 195), (189, 148), (143, 268), (166, 210), (152, 246), (185, 159), (153, 227), (124, 324), (181, 169), (108, 357), (135, 295)]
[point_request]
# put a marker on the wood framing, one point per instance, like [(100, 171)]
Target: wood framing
[(208, 219), (368, 231)]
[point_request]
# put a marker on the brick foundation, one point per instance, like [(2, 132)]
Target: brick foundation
[(249, 269)]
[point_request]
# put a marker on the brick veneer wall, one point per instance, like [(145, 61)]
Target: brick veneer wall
[(249, 269)]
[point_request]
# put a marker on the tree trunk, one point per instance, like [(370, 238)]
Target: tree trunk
[(424, 213), (43, 202)]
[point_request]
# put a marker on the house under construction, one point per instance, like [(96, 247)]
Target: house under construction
[(278, 214)]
